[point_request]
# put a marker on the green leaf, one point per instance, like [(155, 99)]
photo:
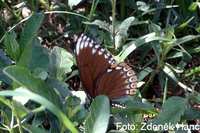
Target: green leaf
[(4, 61), (174, 106), (30, 29), (191, 114), (185, 39), (169, 72), (122, 30), (44, 102), (192, 71), (19, 109), (135, 104), (6, 102), (24, 78), (34, 129), (61, 62), (101, 24), (194, 6), (142, 6), (99, 115), (12, 46), (195, 97), (73, 2), (34, 56), (61, 88), (131, 46), (144, 73)]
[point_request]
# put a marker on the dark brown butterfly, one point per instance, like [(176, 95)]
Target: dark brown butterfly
[(99, 72)]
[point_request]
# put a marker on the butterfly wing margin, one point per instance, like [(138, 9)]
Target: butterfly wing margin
[(117, 82)]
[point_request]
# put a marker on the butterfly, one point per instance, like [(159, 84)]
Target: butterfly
[(100, 74)]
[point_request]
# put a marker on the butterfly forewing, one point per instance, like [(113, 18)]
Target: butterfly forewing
[(99, 72), (92, 61)]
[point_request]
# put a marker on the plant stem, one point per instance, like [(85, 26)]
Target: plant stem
[(122, 8), (165, 91), (113, 21), (92, 10), (17, 118)]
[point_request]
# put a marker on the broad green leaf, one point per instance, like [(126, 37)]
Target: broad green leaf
[(34, 129), (11, 46), (24, 78), (185, 39), (30, 30), (19, 110), (73, 2), (134, 104), (169, 72), (101, 24), (144, 73), (75, 110), (171, 111), (195, 97), (40, 73), (193, 6), (191, 114), (44, 102), (121, 31), (61, 63), (61, 88), (131, 46), (156, 45), (142, 6), (180, 53), (6, 102), (99, 115), (34, 56), (4, 61)]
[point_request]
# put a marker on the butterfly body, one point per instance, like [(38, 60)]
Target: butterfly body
[(99, 72)]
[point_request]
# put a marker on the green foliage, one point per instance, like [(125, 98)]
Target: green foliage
[(98, 117), (30, 30), (61, 62), (23, 77), (34, 56), (44, 102), (11, 46), (159, 40), (170, 109)]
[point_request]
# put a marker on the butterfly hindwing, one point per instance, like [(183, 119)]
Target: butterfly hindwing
[(117, 82)]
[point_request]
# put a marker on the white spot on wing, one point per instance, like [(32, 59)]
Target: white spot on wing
[(129, 73), (100, 52), (87, 42), (83, 42), (97, 46), (78, 45), (118, 68), (109, 70), (94, 51), (106, 57), (91, 43), (125, 69), (127, 92)]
